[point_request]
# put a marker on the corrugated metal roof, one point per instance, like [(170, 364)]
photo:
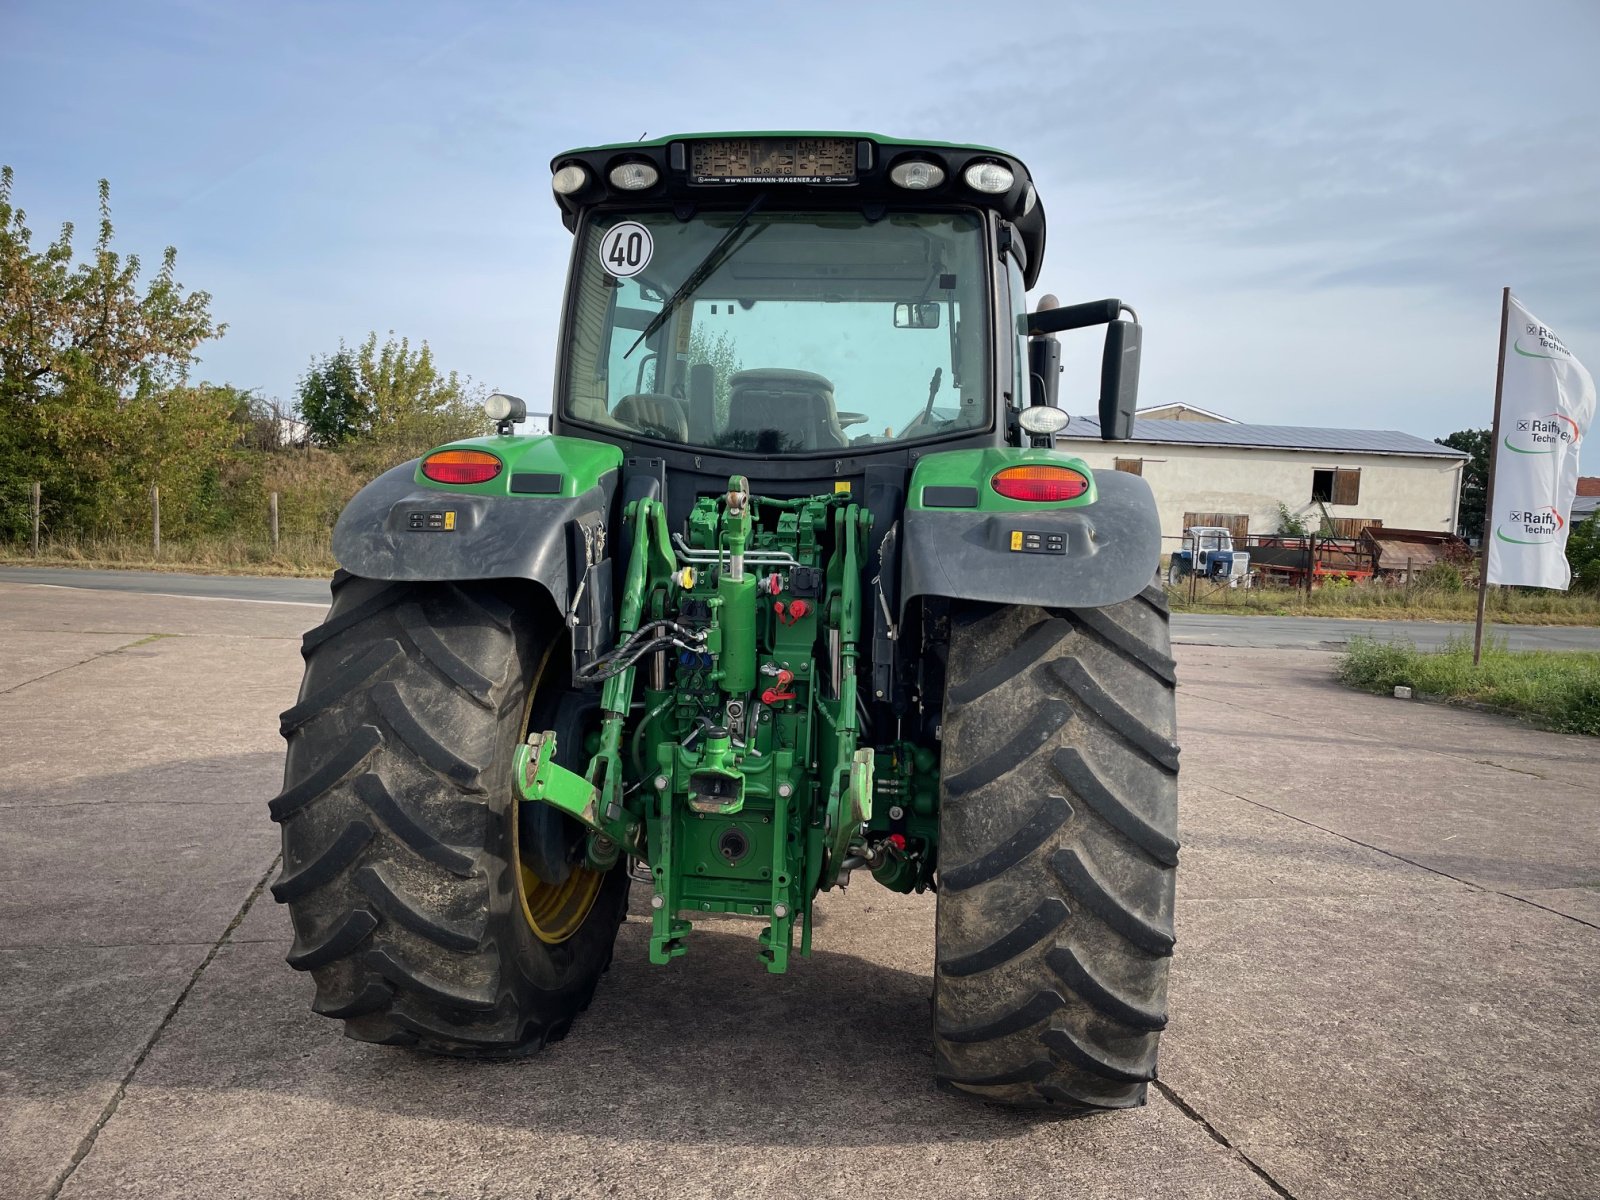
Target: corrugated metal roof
[(1269, 437)]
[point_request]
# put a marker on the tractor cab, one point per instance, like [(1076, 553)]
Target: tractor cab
[(819, 303)]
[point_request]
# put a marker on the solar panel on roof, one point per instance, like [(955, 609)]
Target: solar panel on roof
[(1275, 437)]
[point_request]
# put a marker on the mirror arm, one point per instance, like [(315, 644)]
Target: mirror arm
[(1074, 316)]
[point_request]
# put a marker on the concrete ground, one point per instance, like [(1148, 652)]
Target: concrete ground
[(1387, 981)]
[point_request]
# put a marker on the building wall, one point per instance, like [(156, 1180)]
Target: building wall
[(1402, 492)]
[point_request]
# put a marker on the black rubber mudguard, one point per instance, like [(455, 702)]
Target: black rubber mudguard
[(1089, 557), (397, 529)]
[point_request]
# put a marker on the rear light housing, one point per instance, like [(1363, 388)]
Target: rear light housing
[(1040, 484), (461, 466)]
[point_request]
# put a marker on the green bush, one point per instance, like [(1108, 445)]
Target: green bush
[(1441, 576)]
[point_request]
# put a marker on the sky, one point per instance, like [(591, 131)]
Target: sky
[(1312, 207)]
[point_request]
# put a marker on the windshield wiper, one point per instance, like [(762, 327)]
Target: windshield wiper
[(719, 254)]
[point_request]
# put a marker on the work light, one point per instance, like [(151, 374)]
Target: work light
[(569, 179), (917, 174), (501, 407), (1042, 419), (990, 177), (634, 176)]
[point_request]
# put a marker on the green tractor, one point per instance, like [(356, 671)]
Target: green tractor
[(797, 589)]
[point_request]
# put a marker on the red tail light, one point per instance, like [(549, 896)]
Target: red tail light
[(1040, 483), (461, 466)]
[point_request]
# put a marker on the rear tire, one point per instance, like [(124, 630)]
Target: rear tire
[(1058, 852), (400, 820)]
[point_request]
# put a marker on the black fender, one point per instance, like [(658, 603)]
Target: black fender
[(1108, 551), (398, 529)]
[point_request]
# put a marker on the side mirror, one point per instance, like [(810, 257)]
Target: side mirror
[(1119, 364), (1119, 379), (916, 316)]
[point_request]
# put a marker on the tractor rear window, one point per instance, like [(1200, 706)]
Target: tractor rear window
[(780, 333)]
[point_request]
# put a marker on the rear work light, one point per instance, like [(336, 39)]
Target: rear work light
[(1041, 484), (461, 466)]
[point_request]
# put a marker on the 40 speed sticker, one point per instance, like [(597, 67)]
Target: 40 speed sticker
[(625, 249)]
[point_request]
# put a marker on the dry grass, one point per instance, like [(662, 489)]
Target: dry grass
[(298, 555), (1507, 606)]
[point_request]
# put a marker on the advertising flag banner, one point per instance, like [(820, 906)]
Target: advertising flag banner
[(1547, 404)]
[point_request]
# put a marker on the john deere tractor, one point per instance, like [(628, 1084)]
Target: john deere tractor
[(797, 590)]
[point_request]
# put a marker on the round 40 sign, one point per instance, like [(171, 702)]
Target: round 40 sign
[(625, 249)]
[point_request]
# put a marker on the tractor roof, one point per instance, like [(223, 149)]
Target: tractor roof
[(850, 169)]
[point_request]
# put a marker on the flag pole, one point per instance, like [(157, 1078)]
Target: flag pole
[(1488, 490)]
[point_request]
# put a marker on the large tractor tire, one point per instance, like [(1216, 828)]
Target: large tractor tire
[(1058, 852), (413, 904)]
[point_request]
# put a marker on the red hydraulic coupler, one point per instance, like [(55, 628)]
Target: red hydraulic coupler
[(776, 693)]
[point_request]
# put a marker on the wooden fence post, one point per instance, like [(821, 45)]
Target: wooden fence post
[(36, 518), (273, 505), (155, 521)]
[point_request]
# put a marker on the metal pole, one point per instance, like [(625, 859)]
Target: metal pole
[(1488, 496), (273, 504), (36, 518), (155, 520), (1311, 563)]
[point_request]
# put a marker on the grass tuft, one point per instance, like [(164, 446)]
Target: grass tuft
[(1558, 689)]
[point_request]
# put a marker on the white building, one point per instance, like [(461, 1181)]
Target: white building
[(1236, 475)]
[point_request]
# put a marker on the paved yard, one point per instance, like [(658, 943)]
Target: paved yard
[(1387, 981)]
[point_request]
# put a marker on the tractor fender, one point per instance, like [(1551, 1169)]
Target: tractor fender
[(1087, 556), (401, 528)]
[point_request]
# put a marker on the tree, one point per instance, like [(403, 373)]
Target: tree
[(389, 396), (719, 350), (89, 326), (1583, 553), (93, 373), (1474, 478), (413, 406), (330, 405)]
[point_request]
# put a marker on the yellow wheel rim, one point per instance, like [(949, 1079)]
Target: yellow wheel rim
[(554, 911)]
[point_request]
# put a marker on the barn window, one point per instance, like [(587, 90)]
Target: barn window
[(1341, 485), (1133, 466)]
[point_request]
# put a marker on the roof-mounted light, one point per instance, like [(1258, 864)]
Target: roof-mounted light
[(634, 176), (989, 177), (569, 179), (916, 174)]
